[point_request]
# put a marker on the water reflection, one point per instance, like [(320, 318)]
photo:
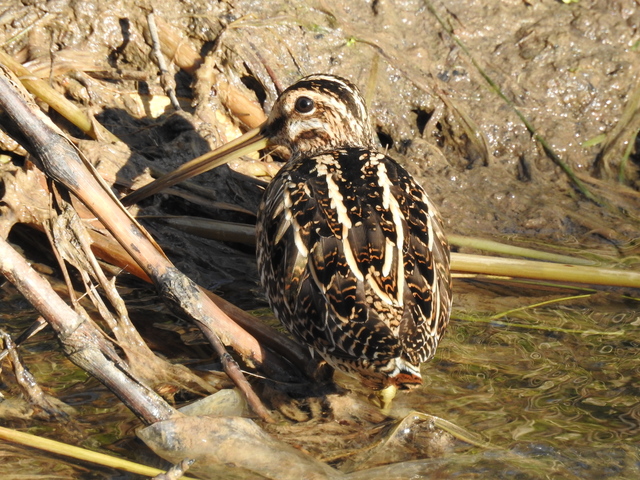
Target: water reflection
[(541, 387), (554, 387)]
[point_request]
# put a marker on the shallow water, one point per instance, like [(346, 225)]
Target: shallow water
[(100, 419), (553, 389), (562, 385)]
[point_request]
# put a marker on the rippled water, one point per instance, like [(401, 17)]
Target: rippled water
[(560, 381), (100, 419), (554, 388)]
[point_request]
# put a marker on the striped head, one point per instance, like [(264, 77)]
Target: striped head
[(319, 113)]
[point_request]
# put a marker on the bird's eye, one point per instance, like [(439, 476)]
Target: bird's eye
[(304, 105)]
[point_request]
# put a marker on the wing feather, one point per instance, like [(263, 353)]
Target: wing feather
[(355, 260)]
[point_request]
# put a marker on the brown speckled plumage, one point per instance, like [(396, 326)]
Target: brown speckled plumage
[(351, 251)]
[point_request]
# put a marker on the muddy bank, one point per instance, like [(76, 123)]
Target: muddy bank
[(569, 68)]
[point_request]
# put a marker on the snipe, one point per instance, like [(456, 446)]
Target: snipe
[(351, 251)]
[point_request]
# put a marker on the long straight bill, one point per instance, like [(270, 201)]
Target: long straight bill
[(250, 142)]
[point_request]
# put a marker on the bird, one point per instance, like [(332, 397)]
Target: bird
[(351, 251)]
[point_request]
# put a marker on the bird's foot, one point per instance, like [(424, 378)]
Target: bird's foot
[(384, 397)]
